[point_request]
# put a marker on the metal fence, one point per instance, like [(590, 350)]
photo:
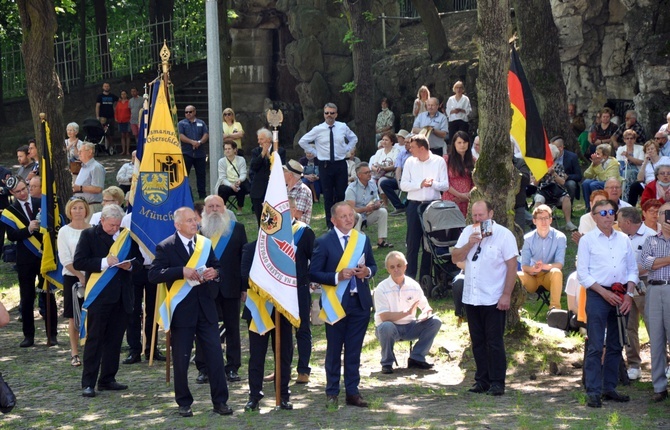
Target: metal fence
[(407, 9), (132, 50)]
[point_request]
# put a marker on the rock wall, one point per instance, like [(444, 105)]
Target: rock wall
[(616, 49)]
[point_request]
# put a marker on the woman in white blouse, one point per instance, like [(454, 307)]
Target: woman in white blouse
[(77, 210), (232, 176), (458, 109)]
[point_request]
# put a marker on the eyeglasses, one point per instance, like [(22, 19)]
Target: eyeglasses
[(476, 256), (629, 138), (607, 212), (664, 173), (227, 114), (613, 188), (330, 113), (188, 112), (543, 218), (108, 200), (367, 172)]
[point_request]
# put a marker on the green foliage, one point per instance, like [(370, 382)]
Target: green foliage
[(368, 16), (348, 87), (351, 39)]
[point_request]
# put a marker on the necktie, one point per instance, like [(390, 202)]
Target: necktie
[(332, 146), (352, 281), (29, 211), (190, 247)]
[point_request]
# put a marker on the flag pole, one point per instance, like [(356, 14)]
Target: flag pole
[(43, 119), (277, 356)]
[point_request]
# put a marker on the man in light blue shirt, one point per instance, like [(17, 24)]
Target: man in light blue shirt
[(363, 196), (436, 123)]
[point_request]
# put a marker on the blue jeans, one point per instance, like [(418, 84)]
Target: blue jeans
[(601, 329), (388, 332), (589, 186)]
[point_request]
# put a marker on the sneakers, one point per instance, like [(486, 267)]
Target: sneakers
[(633, 374), (569, 226)]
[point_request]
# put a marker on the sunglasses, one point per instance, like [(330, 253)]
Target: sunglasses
[(330, 113), (606, 212), (476, 256), (188, 112), (227, 114)]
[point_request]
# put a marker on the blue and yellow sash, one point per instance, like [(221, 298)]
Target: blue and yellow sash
[(261, 312), (180, 288), (10, 218), (99, 280), (331, 297), (219, 243), (298, 229)]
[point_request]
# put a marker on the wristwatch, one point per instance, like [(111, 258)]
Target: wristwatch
[(629, 294)]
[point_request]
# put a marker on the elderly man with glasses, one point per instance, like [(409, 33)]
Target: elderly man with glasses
[(606, 267), (193, 135)]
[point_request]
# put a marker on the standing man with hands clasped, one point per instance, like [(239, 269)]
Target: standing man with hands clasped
[(490, 254), (193, 135)]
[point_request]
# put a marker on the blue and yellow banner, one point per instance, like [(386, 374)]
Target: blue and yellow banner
[(162, 185), (9, 218), (331, 295), (273, 276), (50, 218)]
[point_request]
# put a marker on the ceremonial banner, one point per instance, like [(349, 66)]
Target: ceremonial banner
[(272, 277), (527, 127), (162, 186)]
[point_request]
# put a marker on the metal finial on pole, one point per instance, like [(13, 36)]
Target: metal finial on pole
[(275, 118), (165, 58)]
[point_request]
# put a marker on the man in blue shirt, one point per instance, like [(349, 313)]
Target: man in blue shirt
[(542, 257), (434, 122), (363, 196), (193, 135), (332, 141)]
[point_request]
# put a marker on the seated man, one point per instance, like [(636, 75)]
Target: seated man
[(602, 168), (571, 166), (363, 197), (551, 190), (542, 257), (396, 301)]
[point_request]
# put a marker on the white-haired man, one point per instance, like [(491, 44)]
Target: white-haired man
[(259, 170)]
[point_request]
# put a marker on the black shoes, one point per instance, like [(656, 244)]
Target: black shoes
[(232, 376), (478, 388), (387, 369), (27, 342), (251, 406), (185, 411), (331, 401), (202, 378), (496, 390), (158, 356), (132, 358), (659, 397), (223, 409), (88, 392), (286, 405), (356, 400), (53, 340), (416, 364), (112, 386), (594, 402), (616, 397)]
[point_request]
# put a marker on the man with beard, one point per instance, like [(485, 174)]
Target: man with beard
[(228, 237)]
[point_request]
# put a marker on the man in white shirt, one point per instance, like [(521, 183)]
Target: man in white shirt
[(436, 123), (630, 222), (396, 300), (614, 189), (605, 259), (424, 178), (490, 275), (332, 141)]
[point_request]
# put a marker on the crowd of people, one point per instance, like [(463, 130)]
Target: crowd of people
[(432, 162)]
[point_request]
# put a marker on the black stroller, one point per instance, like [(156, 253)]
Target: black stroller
[(96, 133), (442, 223)]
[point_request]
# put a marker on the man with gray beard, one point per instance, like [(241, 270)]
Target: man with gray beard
[(228, 237)]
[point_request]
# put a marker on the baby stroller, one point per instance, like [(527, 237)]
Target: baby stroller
[(442, 223), (96, 133)]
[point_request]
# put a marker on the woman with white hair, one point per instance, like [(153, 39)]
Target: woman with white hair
[(72, 143)]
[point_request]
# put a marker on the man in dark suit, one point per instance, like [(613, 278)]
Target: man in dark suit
[(259, 170), (571, 165), (24, 229), (217, 226), (108, 313), (195, 315), (349, 331)]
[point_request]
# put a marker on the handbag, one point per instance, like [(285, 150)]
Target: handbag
[(75, 167), (7, 397)]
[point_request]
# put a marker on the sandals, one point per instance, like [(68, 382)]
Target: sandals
[(75, 361), (385, 244)]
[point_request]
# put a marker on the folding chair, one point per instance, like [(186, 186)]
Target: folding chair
[(543, 295)]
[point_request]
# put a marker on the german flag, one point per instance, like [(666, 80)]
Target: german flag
[(527, 126)]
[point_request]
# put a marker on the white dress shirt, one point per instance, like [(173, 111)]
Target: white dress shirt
[(605, 260), (345, 140), (415, 171)]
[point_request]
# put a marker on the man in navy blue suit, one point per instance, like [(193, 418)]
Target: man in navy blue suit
[(571, 165), (344, 243)]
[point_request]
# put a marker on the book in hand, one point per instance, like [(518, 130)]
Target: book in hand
[(122, 262), (200, 280), (425, 316)]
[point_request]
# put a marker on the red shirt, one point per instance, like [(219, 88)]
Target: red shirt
[(122, 111)]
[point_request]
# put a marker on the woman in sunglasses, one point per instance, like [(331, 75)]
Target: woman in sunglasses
[(232, 130)]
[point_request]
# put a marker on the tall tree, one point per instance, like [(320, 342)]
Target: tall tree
[(494, 171), (45, 94), (438, 47), (225, 49), (359, 14), (538, 49), (103, 43)]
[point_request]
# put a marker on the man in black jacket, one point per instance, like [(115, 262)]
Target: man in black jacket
[(108, 256), (571, 165)]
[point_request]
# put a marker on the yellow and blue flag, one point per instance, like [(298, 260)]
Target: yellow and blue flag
[(162, 185), (272, 278)]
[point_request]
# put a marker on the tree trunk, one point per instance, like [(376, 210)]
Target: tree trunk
[(538, 48), (3, 119), (225, 49), (38, 25), (160, 11), (103, 43), (364, 105), (438, 48), (494, 171), (82, 45)]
